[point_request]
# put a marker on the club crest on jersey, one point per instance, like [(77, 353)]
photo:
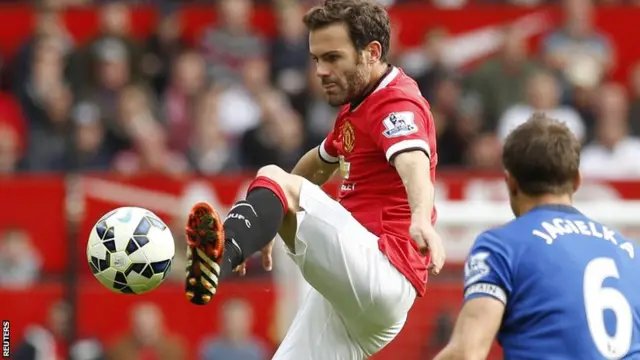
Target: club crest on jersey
[(476, 267), (348, 138), (399, 124)]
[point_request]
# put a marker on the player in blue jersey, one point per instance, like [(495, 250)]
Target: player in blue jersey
[(552, 284)]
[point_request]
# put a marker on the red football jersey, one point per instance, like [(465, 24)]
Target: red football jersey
[(394, 118)]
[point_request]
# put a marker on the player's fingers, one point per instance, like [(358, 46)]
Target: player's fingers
[(437, 261), (241, 269), (267, 262), (267, 259), (423, 247), (432, 267)]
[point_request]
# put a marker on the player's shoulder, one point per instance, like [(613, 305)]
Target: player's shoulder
[(513, 235), (398, 87)]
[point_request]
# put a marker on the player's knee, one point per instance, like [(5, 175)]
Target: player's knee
[(289, 183), (273, 172)]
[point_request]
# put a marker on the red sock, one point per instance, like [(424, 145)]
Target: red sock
[(267, 183)]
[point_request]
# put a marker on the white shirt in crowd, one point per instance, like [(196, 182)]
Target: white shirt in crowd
[(621, 162), (519, 114), (238, 112)]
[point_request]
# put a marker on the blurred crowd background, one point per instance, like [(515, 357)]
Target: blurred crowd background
[(233, 100), (230, 100)]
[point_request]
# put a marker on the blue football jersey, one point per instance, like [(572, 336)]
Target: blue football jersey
[(570, 285)]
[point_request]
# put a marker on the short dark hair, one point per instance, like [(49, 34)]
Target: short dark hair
[(365, 20), (543, 156)]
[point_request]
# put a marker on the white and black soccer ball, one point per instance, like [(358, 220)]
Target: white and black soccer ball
[(130, 250)]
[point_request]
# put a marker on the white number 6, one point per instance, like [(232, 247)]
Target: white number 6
[(598, 298)]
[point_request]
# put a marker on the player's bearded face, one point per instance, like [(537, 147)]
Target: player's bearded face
[(346, 85)]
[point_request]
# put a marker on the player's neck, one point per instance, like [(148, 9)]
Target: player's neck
[(528, 203), (380, 70)]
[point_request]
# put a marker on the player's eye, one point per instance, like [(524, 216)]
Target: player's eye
[(333, 58)]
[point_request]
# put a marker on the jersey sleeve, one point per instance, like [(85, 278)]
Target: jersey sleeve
[(327, 149), (399, 125), (488, 270)]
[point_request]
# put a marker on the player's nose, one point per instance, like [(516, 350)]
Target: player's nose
[(322, 71)]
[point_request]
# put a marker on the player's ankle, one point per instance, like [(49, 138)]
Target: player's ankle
[(232, 258)]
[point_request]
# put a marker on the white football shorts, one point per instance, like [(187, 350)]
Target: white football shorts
[(358, 302)]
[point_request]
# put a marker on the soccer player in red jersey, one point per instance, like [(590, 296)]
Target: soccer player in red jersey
[(367, 255)]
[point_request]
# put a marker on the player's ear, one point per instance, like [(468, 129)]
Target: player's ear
[(373, 51), (577, 182), (512, 184)]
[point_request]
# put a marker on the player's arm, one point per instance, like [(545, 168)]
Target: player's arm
[(475, 329), (488, 279), (401, 129), (318, 165), (413, 168)]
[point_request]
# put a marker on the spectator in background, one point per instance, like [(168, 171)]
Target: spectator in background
[(235, 340), (543, 95), (5, 80), (634, 112), (578, 45), (485, 153), (188, 81), (583, 92), (161, 49), (149, 338), (90, 151), (614, 152), (228, 45), (458, 131), (19, 262), (46, 101), (112, 46), (445, 109), (278, 139), (209, 150), (319, 115), (51, 341), (500, 82), (430, 66), (50, 142), (11, 115), (10, 153), (239, 110), (149, 151), (290, 54), (443, 328), (113, 76), (49, 25), (46, 75)]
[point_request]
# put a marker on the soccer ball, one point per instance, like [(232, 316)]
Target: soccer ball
[(130, 250)]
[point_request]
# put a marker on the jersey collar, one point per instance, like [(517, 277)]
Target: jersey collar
[(384, 80), (558, 207)]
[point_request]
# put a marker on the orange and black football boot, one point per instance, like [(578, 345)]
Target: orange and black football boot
[(205, 251)]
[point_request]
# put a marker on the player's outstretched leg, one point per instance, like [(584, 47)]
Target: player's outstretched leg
[(216, 247)]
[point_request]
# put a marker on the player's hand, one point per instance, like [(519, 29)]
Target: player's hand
[(429, 242), (267, 261)]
